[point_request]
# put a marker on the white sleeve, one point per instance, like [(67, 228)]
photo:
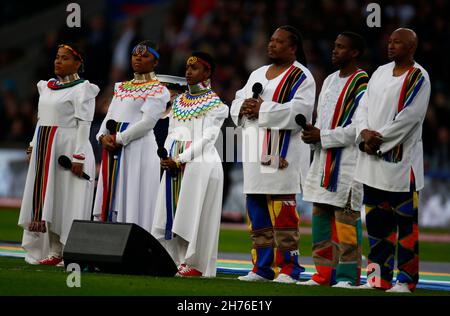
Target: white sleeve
[(212, 123), (410, 118), (82, 141), (152, 110), (282, 115), (338, 137), (84, 101), (236, 105), (361, 114)]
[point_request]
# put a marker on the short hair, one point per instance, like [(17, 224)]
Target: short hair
[(206, 57), (297, 40), (357, 42)]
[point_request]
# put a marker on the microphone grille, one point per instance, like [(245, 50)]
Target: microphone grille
[(64, 162), (257, 88), (300, 119), (162, 152), (111, 125)]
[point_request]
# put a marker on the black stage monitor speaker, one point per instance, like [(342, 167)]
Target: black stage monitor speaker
[(116, 248)]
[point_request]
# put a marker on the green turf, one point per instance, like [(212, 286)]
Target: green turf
[(18, 278), (237, 240)]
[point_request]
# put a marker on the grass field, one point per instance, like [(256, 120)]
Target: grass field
[(18, 278)]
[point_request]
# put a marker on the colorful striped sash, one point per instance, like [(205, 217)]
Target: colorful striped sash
[(44, 144), (410, 87), (276, 143), (110, 173), (346, 105), (173, 186)]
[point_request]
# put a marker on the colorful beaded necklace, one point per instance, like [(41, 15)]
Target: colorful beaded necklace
[(141, 90), (189, 106), (56, 84)]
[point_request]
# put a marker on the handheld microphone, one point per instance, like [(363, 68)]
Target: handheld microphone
[(111, 126), (300, 119), (66, 163), (256, 89), (162, 153)]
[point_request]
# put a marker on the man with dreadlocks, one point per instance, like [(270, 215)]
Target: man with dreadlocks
[(275, 160), (389, 129), (329, 185)]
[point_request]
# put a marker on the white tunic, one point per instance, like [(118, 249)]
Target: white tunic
[(67, 197), (332, 138), (139, 170), (199, 208), (260, 179), (376, 112)]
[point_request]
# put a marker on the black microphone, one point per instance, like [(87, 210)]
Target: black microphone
[(256, 89), (111, 126), (300, 119), (162, 153), (66, 163)]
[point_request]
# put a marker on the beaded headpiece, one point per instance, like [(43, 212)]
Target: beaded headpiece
[(194, 59), (140, 49)]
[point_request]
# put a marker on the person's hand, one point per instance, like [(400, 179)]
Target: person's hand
[(29, 151), (372, 141), (250, 108), (77, 169), (168, 164), (108, 142), (311, 134)]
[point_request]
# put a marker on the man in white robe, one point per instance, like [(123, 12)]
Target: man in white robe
[(275, 160), (389, 130)]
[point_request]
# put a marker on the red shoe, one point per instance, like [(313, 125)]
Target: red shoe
[(181, 266), (188, 271), (51, 261)]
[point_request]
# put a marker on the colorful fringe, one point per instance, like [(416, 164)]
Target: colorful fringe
[(130, 89), (386, 214), (44, 144), (273, 224), (110, 175), (277, 145), (346, 106), (337, 240), (173, 186), (189, 106), (411, 86)]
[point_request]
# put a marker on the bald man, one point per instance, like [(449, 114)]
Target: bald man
[(390, 163)]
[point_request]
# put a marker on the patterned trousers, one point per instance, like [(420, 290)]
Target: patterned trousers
[(337, 239), (273, 225), (392, 222)]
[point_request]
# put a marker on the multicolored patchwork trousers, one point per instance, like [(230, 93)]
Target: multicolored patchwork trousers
[(337, 240), (273, 224), (389, 214)]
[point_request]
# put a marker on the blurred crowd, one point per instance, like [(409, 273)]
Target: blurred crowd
[(236, 33)]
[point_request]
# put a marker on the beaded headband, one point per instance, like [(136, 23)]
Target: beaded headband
[(141, 49), (77, 54), (194, 59)]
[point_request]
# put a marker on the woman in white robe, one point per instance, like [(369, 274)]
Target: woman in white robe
[(54, 197), (189, 205), (130, 172)]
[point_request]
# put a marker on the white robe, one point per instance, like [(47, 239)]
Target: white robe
[(199, 208), (139, 170), (260, 179), (67, 197), (332, 138), (376, 112)]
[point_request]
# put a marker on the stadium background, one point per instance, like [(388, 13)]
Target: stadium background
[(236, 34)]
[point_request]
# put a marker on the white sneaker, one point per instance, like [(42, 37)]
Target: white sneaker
[(253, 277), (284, 278), (399, 287), (366, 286), (310, 282), (344, 285), (61, 264)]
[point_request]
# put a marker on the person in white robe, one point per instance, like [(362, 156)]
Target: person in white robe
[(189, 204), (389, 131), (53, 196), (336, 196), (275, 159), (130, 173)]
